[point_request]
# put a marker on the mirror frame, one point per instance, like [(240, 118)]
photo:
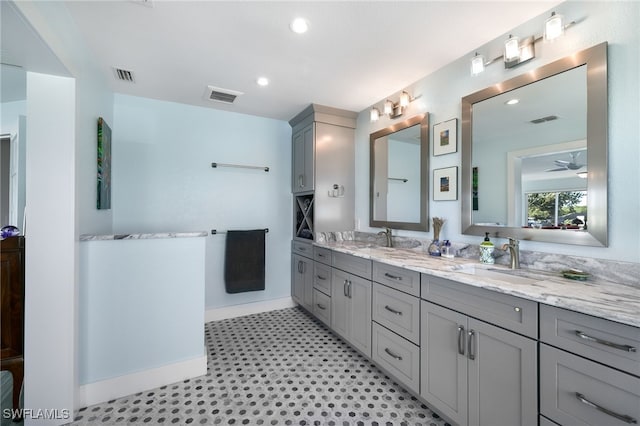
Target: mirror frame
[(595, 58), (423, 121)]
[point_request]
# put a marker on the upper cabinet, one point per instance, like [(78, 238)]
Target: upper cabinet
[(323, 178)]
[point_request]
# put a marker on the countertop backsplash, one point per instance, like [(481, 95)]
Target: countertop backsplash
[(627, 273)]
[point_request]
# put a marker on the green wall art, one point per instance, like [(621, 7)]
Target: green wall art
[(104, 165)]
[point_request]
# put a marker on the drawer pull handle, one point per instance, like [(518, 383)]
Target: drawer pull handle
[(320, 277), (472, 335), (302, 248), (393, 311), (393, 277), (624, 418), (321, 306), (461, 340), (392, 355), (625, 348), (320, 255)]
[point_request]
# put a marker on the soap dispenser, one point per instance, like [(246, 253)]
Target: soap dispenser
[(486, 250)]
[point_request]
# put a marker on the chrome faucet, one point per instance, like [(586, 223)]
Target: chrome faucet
[(387, 233), (514, 251)]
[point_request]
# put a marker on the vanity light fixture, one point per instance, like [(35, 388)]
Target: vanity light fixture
[(517, 51), (392, 109), (477, 64), (553, 27)]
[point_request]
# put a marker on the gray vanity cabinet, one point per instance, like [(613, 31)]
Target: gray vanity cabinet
[(351, 309), (475, 373), (302, 280), (302, 153)]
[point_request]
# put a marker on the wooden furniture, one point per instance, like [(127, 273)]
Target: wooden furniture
[(12, 311)]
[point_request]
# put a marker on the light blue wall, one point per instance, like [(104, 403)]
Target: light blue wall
[(9, 112), (163, 181), (141, 305), (614, 22)]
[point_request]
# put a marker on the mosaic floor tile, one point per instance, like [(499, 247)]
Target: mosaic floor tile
[(274, 368)]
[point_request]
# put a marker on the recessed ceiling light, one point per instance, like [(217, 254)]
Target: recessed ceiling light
[(512, 101), (262, 81), (299, 26)]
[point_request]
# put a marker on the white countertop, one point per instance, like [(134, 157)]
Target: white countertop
[(148, 236), (612, 301)]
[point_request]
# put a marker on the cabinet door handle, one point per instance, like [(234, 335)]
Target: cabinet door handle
[(344, 288), (321, 306), (392, 355), (461, 340), (301, 181), (349, 289), (320, 277), (622, 417), (321, 255), (299, 266), (625, 348), (393, 311), (393, 277), (303, 265), (472, 335)]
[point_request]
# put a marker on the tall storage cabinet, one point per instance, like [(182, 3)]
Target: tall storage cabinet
[(322, 178)]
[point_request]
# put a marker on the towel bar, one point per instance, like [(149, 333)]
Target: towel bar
[(215, 231)]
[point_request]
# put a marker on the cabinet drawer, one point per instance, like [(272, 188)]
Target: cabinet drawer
[(322, 278), (576, 391), (397, 311), (323, 255), (608, 342), (510, 312), (302, 248), (398, 356), (322, 306), (352, 264), (398, 278)]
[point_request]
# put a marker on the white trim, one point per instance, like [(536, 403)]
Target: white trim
[(234, 311), (106, 390)]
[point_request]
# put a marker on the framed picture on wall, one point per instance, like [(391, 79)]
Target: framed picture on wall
[(445, 137), (104, 165), (445, 184)]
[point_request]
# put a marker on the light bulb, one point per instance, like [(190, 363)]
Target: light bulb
[(553, 27), (388, 107), (299, 26), (511, 49), (404, 99), (374, 114), (477, 64)]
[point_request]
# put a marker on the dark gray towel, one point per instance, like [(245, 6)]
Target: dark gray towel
[(244, 261)]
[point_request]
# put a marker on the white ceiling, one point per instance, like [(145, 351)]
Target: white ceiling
[(354, 54)]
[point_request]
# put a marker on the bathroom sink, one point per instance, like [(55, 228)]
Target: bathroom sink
[(514, 276)]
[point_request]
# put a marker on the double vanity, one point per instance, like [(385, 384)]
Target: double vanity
[(480, 344)]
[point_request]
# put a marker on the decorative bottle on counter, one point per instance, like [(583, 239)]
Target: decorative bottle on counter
[(486, 250)]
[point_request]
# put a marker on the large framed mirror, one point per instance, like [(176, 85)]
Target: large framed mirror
[(398, 169), (534, 154)]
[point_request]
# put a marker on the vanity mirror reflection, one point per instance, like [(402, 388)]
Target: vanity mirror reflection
[(398, 175), (534, 154)]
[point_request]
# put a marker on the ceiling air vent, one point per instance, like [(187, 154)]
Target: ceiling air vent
[(124, 75), (226, 96), (544, 119)]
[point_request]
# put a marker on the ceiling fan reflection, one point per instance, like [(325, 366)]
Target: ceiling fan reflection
[(567, 165)]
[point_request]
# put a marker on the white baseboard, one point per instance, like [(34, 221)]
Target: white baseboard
[(234, 311), (106, 390)]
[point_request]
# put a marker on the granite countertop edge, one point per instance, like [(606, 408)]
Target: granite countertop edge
[(142, 236), (612, 301)]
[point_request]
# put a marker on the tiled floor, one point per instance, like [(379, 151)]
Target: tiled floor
[(274, 368)]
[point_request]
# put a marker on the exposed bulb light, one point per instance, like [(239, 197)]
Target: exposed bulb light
[(405, 99), (512, 101), (374, 115), (299, 25), (511, 49), (477, 64), (553, 27), (262, 81)]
